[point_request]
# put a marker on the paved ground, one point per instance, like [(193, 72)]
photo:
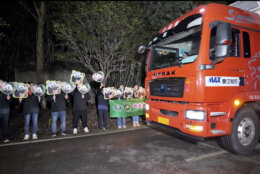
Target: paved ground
[(145, 150)]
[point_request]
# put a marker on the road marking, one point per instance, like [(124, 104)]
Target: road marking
[(70, 137), (206, 156)]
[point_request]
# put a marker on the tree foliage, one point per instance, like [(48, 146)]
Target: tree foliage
[(160, 13), (99, 35)]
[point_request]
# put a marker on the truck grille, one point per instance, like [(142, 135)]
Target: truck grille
[(169, 87), (170, 113)]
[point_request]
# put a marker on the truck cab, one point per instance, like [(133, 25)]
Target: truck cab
[(203, 76)]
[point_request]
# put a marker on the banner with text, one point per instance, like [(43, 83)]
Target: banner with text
[(126, 108)]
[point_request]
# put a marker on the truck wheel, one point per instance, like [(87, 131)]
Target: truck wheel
[(226, 143), (244, 134)]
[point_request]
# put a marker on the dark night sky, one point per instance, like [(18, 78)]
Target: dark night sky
[(12, 12), (230, 2)]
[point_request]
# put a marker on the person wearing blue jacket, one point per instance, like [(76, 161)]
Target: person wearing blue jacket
[(102, 109), (58, 111)]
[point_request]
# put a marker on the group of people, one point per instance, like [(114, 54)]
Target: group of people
[(31, 109), (103, 109), (58, 103)]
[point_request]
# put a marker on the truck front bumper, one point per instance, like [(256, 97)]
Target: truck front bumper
[(172, 114)]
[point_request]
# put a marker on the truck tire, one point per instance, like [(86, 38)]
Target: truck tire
[(244, 133), (226, 143)]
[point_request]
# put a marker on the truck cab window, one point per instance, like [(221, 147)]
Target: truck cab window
[(246, 43), (235, 45)]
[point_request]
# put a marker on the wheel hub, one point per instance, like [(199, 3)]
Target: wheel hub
[(246, 131)]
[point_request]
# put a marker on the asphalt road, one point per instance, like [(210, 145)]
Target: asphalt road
[(134, 151)]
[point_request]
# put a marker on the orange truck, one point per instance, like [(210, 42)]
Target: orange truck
[(203, 76)]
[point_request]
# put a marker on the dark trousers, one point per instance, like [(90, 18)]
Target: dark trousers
[(102, 118), (80, 114), (4, 118)]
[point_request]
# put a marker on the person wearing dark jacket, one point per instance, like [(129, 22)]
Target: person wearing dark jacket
[(4, 114), (58, 111), (31, 109), (102, 109), (79, 109)]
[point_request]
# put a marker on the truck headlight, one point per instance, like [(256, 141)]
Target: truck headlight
[(195, 115), (147, 107)]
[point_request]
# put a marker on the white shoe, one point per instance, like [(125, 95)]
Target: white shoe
[(26, 137), (75, 131), (124, 126), (6, 141), (119, 127), (34, 137), (86, 130)]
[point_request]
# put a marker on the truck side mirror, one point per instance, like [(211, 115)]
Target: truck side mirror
[(223, 41), (142, 49)]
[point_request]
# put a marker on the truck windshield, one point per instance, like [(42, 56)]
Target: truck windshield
[(181, 47)]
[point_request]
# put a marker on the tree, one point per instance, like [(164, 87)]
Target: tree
[(160, 13), (38, 11), (2, 24), (99, 35), (39, 15)]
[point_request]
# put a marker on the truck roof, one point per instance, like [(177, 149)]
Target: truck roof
[(253, 6), (221, 12)]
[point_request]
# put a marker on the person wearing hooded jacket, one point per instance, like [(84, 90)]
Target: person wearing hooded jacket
[(79, 109), (58, 111), (102, 109), (31, 109)]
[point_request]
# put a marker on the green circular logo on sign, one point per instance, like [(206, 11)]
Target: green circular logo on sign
[(117, 107), (127, 107)]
